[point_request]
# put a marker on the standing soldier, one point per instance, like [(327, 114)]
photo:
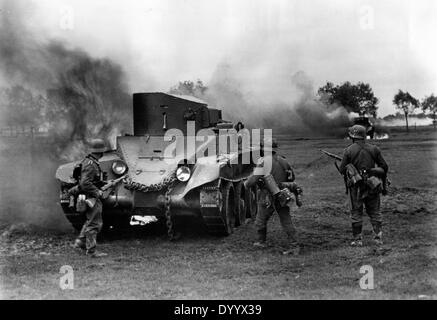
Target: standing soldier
[(274, 169), (90, 183), (364, 167)]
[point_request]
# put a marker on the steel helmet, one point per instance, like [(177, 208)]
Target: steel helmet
[(357, 132), (97, 146)]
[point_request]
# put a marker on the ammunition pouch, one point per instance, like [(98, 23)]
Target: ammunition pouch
[(370, 181), (284, 197), (294, 189), (283, 192)]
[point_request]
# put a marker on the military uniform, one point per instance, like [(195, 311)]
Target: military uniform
[(363, 156), (280, 169), (90, 182)]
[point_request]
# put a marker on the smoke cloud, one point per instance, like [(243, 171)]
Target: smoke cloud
[(79, 97), (287, 104), (84, 97)]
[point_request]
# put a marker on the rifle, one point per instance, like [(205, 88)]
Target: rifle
[(75, 191), (111, 184), (332, 155), (337, 158)]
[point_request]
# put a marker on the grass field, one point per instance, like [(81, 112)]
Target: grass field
[(144, 264)]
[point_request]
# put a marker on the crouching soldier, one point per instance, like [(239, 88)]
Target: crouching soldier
[(90, 183), (273, 173), (365, 170)]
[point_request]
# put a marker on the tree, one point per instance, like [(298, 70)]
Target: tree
[(190, 88), (429, 104), (406, 103), (357, 98)]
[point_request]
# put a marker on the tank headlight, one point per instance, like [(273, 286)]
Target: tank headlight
[(119, 167), (183, 173)]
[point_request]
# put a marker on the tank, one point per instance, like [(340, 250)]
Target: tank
[(158, 171), (365, 122)]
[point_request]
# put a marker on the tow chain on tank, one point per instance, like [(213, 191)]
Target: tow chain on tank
[(168, 217), (156, 187), (166, 184)]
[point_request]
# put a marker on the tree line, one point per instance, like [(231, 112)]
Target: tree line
[(358, 98)]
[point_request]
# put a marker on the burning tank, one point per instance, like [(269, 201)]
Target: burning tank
[(365, 122), (159, 173)]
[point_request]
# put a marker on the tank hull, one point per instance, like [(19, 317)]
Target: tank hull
[(151, 186)]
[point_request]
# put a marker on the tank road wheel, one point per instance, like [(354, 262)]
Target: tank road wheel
[(217, 207), (240, 203)]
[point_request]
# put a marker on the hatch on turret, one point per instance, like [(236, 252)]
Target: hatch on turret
[(155, 113)]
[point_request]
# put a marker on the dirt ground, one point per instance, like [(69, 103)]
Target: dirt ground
[(145, 265)]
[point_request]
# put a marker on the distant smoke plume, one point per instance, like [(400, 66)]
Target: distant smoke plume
[(287, 104)]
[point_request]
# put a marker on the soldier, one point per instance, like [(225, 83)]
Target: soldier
[(278, 167), (90, 184), (358, 163)]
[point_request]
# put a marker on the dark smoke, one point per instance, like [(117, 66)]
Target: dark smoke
[(86, 97), (81, 97), (317, 115)]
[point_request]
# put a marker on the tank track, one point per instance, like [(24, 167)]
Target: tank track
[(211, 204), (212, 208)]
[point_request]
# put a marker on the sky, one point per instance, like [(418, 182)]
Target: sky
[(389, 44)]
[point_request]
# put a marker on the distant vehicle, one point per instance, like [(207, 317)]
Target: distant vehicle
[(365, 122), (213, 191)]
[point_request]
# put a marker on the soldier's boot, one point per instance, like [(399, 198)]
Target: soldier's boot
[(377, 231), (357, 234), (261, 239), (378, 239), (79, 244), (96, 254), (91, 244), (293, 250), (357, 242)]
